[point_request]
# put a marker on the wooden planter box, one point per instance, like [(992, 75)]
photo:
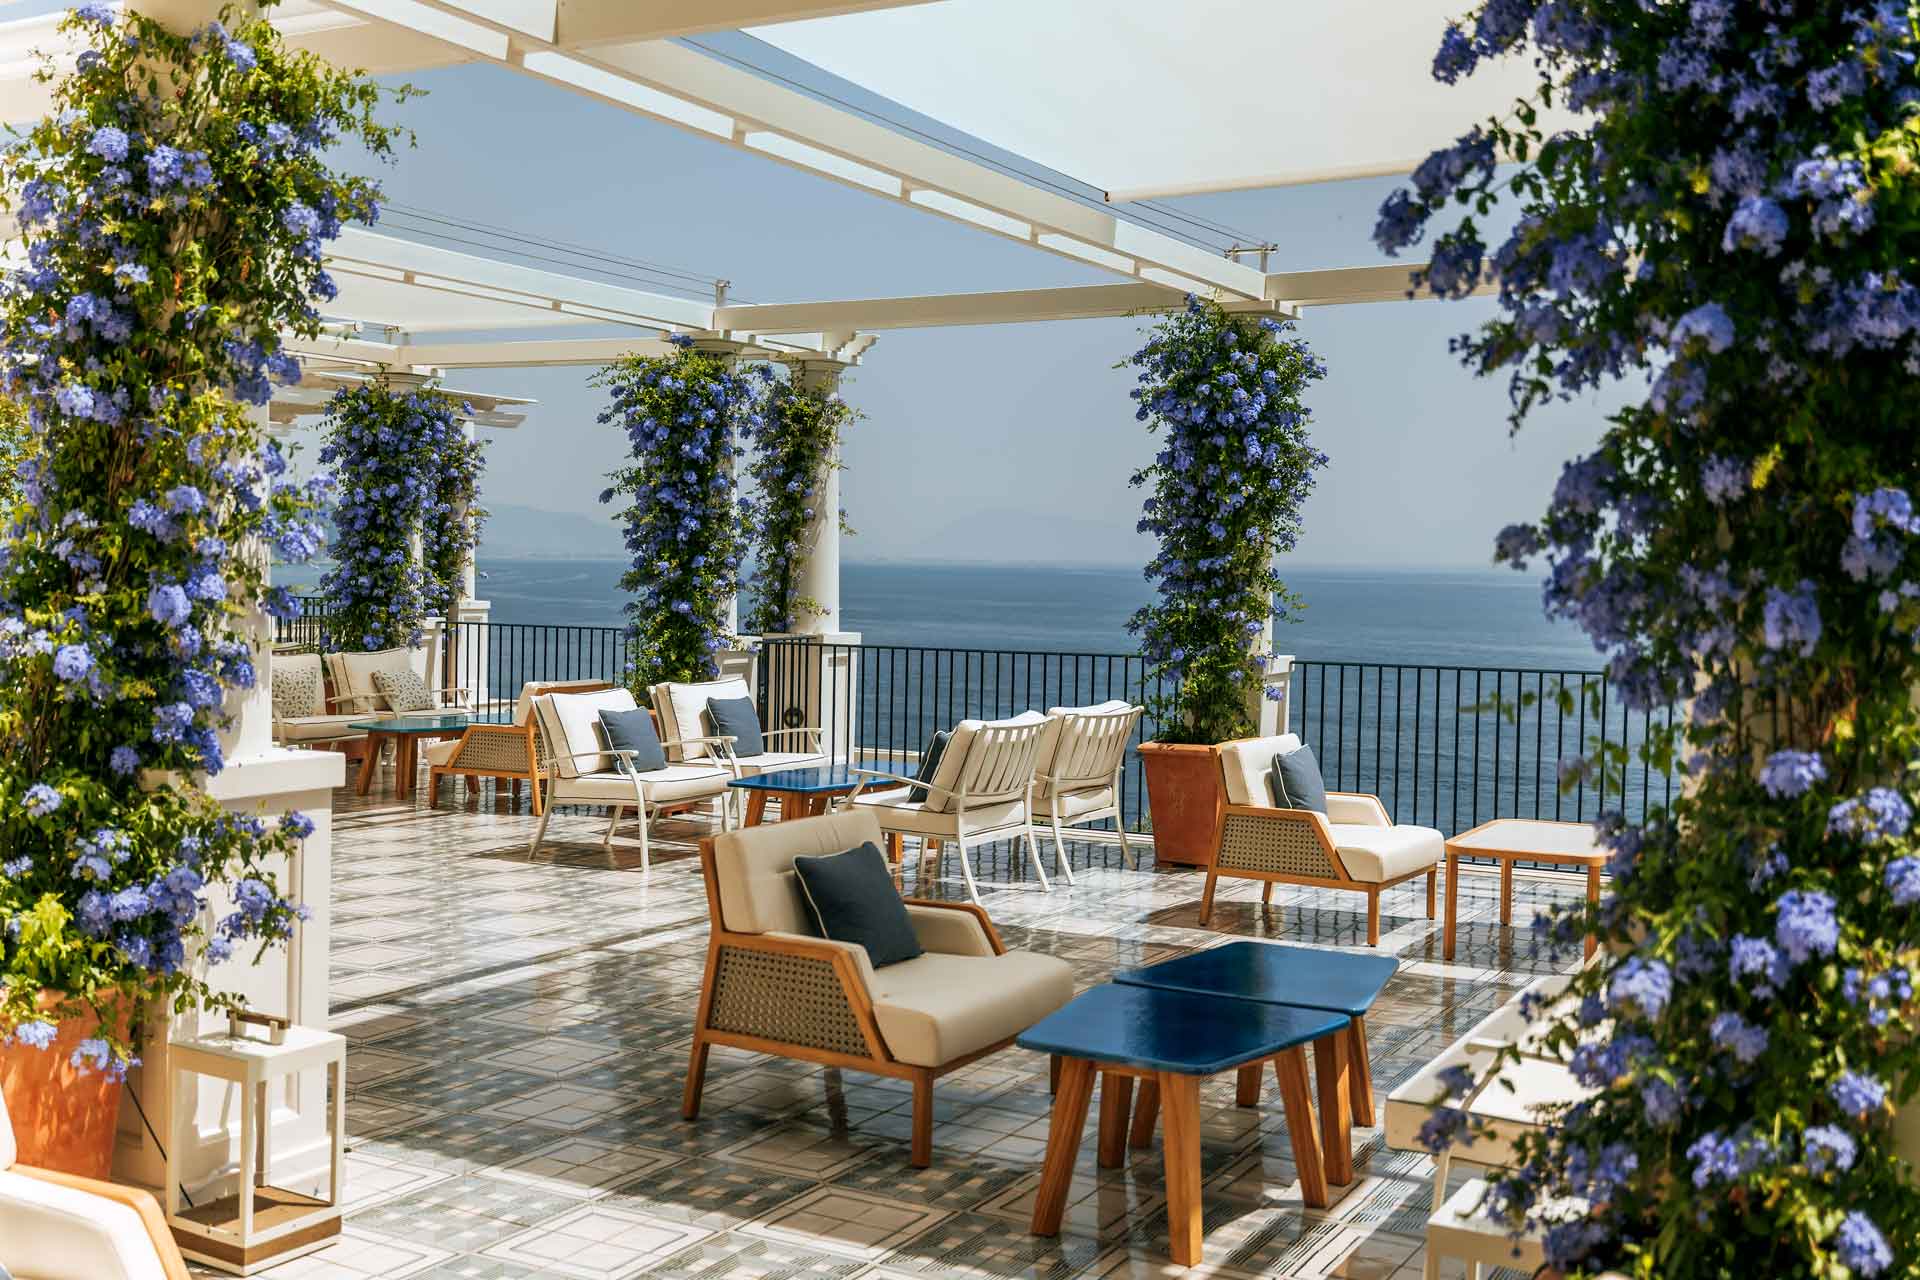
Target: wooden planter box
[(1184, 797)]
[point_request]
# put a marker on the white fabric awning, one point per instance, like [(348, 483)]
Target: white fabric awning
[(1158, 97)]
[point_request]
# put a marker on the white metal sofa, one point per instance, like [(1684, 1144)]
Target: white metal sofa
[(1353, 845), (682, 710), (56, 1226), (773, 987), (582, 770), (981, 792), (1078, 771), (300, 715)]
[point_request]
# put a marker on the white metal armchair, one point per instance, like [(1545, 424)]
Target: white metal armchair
[(682, 709), (1077, 778), (981, 792), (582, 770)]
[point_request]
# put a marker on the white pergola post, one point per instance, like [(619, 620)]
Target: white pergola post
[(817, 576)]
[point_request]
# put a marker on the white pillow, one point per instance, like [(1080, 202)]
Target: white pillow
[(683, 712), (571, 723)]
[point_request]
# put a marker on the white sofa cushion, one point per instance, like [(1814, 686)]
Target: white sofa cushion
[(753, 868), (298, 685), (683, 711), (1244, 765), (935, 1008), (897, 813), (51, 1232), (1374, 854), (322, 728), (571, 723), (662, 786), (1071, 804), (353, 675)]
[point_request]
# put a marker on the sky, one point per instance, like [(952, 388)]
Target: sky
[(991, 444)]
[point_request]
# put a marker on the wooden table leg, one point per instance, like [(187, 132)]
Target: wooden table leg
[(1180, 1101), (1453, 903), (1116, 1106), (1246, 1089), (369, 762), (1360, 1072), (1506, 891), (1063, 1144), (403, 763), (756, 807), (1146, 1114), (1330, 1072), (1593, 896), (1291, 1067)]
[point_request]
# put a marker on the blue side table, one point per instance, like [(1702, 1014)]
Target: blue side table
[(804, 793), (1170, 1041), (1299, 977)]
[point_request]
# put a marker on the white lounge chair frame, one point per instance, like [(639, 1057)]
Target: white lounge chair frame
[(647, 809), (1090, 754)]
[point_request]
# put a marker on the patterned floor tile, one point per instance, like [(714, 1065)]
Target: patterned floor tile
[(853, 1223), (597, 1242)]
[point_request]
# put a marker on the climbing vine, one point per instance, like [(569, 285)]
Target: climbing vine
[(798, 444)]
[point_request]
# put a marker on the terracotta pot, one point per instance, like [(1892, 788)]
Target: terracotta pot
[(1184, 795), (63, 1118)]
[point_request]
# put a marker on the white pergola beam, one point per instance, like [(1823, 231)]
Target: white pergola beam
[(1013, 306), (540, 353), (1353, 284), (579, 24)]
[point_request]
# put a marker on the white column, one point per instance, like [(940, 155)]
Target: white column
[(817, 576)]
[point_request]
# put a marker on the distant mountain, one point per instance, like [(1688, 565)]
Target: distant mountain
[(529, 533)]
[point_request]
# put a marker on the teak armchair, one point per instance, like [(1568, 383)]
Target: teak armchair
[(772, 987), (512, 753)]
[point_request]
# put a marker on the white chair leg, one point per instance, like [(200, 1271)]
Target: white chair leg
[(1033, 855), (1128, 858), (646, 854), (540, 832), (613, 820), (966, 869), (1060, 862), (922, 880)]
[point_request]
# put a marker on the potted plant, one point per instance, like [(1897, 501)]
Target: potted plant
[(174, 211), (1224, 494)]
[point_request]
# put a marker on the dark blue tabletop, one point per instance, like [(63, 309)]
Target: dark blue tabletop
[(1176, 1031), (828, 777), (1300, 976)]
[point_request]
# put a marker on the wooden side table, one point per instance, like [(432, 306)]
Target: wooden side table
[(1514, 840), (259, 1225)]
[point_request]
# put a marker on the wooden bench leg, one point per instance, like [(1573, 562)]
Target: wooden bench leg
[(1433, 886), (1116, 1107), (1360, 1073), (1291, 1067), (1246, 1091), (1330, 1071), (1180, 1099), (1373, 917), (1146, 1115), (1063, 1145)]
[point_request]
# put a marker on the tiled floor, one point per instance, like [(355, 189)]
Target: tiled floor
[(519, 1034)]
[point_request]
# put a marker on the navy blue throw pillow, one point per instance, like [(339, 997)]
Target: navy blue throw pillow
[(736, 718), (1296, 781), (852, 899), (633, 731), (929, 764)]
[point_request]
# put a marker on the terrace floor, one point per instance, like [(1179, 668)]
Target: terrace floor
[(519, 1035)]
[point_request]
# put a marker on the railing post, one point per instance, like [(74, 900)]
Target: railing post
[(813, 681)]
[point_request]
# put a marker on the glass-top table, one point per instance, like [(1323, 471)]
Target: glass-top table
[(804, 793), (407, 731)]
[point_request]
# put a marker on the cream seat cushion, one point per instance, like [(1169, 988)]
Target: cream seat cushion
[(321, 728), (663, 786), (935, 1008), (1072, 804), (683, 711), (897, 813), (753, 868), (1374, 854), (571, 724), (774, 761), (442, 751)]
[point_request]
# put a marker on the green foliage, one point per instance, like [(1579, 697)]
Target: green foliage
[(1235, 463), (14, 440), (799, 443)]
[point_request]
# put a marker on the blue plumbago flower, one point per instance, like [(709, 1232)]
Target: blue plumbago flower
[(41, 800), (1708, 324), (1758, 962), (124, 760), (108, 143), (297, 824), (72, 662), (1806, 925), (1861, 1246), (1766, 866), (1793, 619), (1758, 224), (241, 55), (1828, 1147), (1441, 1127), (1734, 1033), (168, 605), (1724, 480), (1903, 880), (1660, 1101), (1856, 1093), (1727, 1157), (1787, 774), (98, 1055), (1642, 986), (37, 1033), (1880, 814)]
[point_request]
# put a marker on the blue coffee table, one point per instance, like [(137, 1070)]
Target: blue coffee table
[(1298, 977), (803, 793), (1170, 1041)]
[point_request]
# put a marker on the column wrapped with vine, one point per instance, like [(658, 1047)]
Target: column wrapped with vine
[(795, 450), (685, 416), (1732, 219), (402, 469), (1225, 489), (174, 210)]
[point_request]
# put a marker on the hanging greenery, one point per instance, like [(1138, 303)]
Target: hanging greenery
[(174, 210), (402, 469), (14, 435), (685, 417), (1234, 466), (1733, 219), (798, 444)]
